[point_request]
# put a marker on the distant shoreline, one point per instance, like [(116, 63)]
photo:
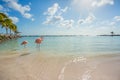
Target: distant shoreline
[(108, 35), (49, 35), (62, 35)]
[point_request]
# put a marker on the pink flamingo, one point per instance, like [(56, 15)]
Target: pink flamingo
[(38, 41), (24, 43)]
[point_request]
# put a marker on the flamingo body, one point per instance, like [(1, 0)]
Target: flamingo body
[(38, 40), (24, 43)]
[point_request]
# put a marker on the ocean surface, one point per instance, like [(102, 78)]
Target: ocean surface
[(64, 45), (61, 58)]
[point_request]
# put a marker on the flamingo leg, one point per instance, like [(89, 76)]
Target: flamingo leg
[(24, 45), (39, 46)]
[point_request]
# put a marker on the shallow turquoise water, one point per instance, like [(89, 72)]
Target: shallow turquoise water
[(75, 45)]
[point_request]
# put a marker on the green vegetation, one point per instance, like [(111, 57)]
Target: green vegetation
[(7, 23)]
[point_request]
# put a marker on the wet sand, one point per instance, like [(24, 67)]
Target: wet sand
[(42, 67)]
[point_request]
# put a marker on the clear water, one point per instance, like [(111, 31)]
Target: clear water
[(75, 45)]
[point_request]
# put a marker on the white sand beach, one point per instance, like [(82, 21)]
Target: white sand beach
[(42, 67)]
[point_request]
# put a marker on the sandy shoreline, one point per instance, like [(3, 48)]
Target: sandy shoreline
[(41, 67)]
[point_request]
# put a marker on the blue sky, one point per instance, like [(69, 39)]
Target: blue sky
[(63, 17)]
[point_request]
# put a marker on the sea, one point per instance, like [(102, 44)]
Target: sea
[(61, 58), (64, 45)]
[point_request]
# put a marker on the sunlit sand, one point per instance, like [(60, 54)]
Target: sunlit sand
[(43, 67)]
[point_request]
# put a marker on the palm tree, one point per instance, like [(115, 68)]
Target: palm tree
[(2, 18), (13, 27), (112, 33), (4, 15), (7, 23)]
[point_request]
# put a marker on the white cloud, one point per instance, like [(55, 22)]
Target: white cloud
[(57, 18), (48, 21), (90, 4), (61, 11), (55, 10), (1, 7), (83, 3), (54, 14), (89, 19), (53, 20), (117, 18), (20, 8), (27, 15), (80, 21), (65, 9), (15, 19), (112, 23), (52, 10), (99, 3), (67, 23)]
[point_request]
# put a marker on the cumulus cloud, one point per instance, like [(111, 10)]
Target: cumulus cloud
[(52, 10), (65, 9), (58, 18), (54, 14), (99, 3), (24, 10), (89, 19), (90, 4), (80, 21), (62, 11), (55, 10), (15, 19), (67, 23), (54, 20), (27, 15), (117, 18)]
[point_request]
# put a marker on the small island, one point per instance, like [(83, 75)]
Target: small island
[(111, 34)]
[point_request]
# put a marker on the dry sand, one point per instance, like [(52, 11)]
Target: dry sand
[(42, 67)]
